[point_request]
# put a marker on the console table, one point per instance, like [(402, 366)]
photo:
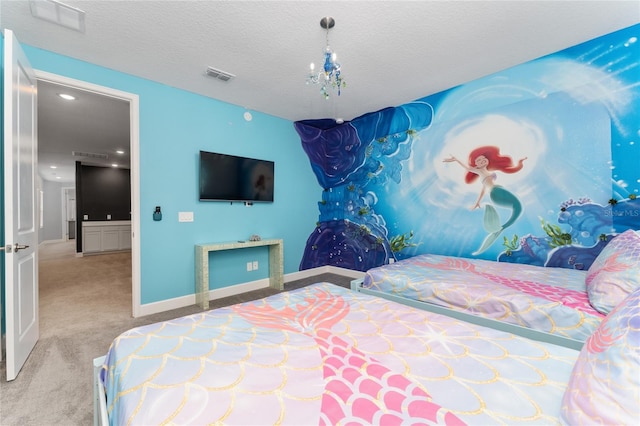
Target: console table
[(276, 267)]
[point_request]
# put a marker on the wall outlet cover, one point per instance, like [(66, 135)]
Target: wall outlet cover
[(185, 216)]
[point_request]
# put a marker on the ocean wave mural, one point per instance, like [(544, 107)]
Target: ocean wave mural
[(536, 164)]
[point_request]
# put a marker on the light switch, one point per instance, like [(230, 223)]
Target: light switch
[(185, 216)]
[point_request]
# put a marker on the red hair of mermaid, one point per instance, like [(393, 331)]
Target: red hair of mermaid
[(503, 163)]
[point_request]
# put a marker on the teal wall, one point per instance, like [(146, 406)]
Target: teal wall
[(174, 126)]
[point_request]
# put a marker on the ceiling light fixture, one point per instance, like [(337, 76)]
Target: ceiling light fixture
[(329, 76), (120, 152), (67, 97), (58, 13)]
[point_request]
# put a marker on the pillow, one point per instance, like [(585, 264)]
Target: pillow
[(615, 273), (604, 387)]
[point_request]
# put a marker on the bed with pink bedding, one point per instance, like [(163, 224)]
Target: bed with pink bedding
[(325, 355), (553, 301)]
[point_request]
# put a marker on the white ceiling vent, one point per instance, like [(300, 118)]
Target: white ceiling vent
[(58, 13), (89, 155), (219, 74)]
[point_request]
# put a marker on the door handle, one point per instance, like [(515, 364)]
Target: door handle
[(17, 247)]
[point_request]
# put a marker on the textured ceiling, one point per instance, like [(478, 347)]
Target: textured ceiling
[(391, 52)]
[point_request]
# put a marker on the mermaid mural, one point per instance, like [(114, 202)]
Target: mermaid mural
[(483, 162)]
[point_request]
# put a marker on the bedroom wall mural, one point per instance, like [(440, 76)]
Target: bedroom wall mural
[(538, 164)]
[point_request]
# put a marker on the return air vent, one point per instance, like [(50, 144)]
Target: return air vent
[(219, 74), (90, 155)]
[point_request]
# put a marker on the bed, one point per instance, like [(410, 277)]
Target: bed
[(325, 355), (559, 305), (532, 298)]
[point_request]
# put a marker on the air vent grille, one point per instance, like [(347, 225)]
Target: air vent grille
[(90, 155), (219, 74)]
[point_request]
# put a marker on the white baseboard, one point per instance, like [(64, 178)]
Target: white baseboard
[(181, 302), (345, 272), (322, 270), (52, 241)]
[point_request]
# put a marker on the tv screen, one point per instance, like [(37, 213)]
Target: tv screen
[(230, 178)]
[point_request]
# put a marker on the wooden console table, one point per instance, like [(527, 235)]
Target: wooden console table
[(276, 266)]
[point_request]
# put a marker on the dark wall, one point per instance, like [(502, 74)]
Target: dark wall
[(101, 191), (105, 191)]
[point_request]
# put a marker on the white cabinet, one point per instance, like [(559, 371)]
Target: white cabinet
[(107, 236), (91, 239), (125, 238)]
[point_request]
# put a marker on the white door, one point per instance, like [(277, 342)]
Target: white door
[(20, 223)]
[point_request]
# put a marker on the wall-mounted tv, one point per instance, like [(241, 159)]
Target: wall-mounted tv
[(231, 178)]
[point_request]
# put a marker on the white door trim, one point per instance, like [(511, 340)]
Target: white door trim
[(134, 118), (64, 212)]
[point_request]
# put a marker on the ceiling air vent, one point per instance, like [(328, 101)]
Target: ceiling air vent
[(89, 155), (219, 74)]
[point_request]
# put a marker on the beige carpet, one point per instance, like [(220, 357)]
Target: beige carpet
[(85, 302)]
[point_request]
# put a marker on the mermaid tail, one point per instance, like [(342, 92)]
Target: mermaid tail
[(358, 388), (488, 240), (491, 219), (503, 198)]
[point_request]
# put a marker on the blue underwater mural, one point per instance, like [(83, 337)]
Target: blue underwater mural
[(537, 164)]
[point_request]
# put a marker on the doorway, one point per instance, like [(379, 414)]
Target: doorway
[(104, 119)]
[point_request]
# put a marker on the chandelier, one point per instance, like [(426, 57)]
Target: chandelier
[(328, 77)]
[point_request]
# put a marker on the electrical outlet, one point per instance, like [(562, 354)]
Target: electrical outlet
[(255, 265), (249, 266)]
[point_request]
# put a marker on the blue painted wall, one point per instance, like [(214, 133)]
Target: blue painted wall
[(174, 126), (393, 181)]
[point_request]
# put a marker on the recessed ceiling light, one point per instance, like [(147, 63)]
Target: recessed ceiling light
[(53, 167), (114, 165), (67, 96), (58, 177), (120, 151), (58, 13)]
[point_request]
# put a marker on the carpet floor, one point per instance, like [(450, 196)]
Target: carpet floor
[(84, 302)]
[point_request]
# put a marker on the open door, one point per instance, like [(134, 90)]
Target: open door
[(20, 208)]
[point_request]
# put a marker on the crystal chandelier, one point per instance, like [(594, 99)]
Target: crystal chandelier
[(328, 77)]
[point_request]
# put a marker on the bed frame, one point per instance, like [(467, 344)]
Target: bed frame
[(100, 416), (541, 336)]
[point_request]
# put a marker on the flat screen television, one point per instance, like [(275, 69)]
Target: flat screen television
[(226, 177)]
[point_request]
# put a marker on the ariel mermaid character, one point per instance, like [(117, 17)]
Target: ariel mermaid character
[(483, 163)]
